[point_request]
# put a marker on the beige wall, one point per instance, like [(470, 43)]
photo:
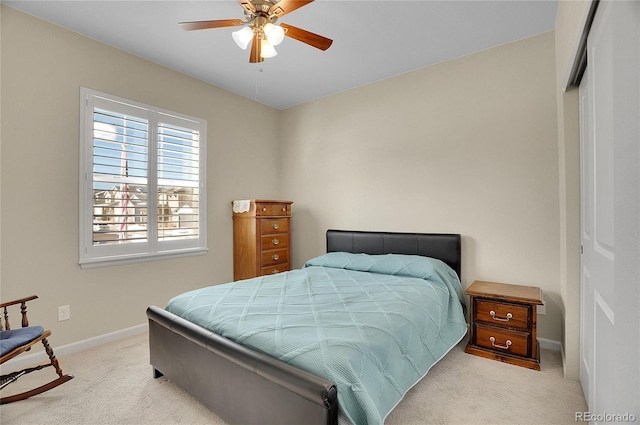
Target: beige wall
[(43, 67), (569, 18), (466, 146)]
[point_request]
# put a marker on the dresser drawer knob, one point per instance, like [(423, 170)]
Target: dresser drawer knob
[(500, 319), (504, 347), (275, 257), (275, 226), (275, 272), (264, 208), (275, 241)]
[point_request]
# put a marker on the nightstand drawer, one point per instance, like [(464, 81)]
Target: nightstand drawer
[(503, 340), (500, 313)]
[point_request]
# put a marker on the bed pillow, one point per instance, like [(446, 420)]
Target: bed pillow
[(417, 266)]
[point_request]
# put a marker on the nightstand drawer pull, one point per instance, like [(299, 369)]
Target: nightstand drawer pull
[(501, 319), (504, 347), (275, 241), (275, 257), (275, 226)]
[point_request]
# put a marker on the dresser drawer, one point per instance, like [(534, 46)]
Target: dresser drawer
[(279, 268), (263, 209), (274, 225), (278, 256), (502, 340), (274, 241), (500, 313)]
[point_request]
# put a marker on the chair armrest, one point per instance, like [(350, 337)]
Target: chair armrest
[(23, 310), (22, 300)]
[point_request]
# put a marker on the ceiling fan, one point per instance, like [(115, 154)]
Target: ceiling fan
[(260, 30)]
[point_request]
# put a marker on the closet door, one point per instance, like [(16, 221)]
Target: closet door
[(610, 156)]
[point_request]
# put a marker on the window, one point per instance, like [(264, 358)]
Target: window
[(142, 181)]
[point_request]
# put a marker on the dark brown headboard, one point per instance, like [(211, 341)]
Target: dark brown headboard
[(443, 246)]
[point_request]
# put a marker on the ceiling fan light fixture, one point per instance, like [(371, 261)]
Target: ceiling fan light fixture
[(274, 33), (266, 49), (243, 37)]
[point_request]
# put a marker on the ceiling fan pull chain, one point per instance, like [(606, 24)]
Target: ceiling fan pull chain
[(260, 69)]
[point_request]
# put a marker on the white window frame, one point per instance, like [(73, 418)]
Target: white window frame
[(96, 255)]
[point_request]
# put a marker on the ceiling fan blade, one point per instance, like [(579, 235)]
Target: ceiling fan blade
[(218, 23), (256, 47), (315, 40), (287, 6)]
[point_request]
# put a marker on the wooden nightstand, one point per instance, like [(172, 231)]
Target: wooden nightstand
[(503, 323)]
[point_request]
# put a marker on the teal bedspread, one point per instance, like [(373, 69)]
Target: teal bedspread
[(371, 324)]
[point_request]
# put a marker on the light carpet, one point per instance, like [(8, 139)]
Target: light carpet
[(114, 385)]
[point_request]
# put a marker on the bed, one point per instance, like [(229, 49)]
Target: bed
[(242, 384)]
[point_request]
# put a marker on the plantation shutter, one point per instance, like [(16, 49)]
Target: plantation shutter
[(120, 187), (142, 182), (178, 154)]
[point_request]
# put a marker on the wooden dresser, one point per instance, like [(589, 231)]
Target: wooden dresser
[(261, 237), (503, 323)]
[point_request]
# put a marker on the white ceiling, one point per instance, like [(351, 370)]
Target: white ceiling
[(373, 39)]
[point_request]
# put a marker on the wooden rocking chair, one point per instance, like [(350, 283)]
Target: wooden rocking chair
[(14, 342)]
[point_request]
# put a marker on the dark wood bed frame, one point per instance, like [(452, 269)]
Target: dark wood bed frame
[(248, 387)]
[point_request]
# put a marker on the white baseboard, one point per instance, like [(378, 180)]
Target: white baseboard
[(39, 357), (550, 344)]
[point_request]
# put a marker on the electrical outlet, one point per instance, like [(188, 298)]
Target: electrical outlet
[(542, 308), (64, 313)]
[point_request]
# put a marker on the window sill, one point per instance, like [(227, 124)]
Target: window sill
[(94, 263)]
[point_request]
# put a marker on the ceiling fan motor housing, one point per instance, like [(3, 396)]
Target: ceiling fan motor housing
[(261, 8)]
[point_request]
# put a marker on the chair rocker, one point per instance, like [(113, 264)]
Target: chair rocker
[(16, 341)]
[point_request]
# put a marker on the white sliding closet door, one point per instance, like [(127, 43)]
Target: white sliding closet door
[(610, 156)]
